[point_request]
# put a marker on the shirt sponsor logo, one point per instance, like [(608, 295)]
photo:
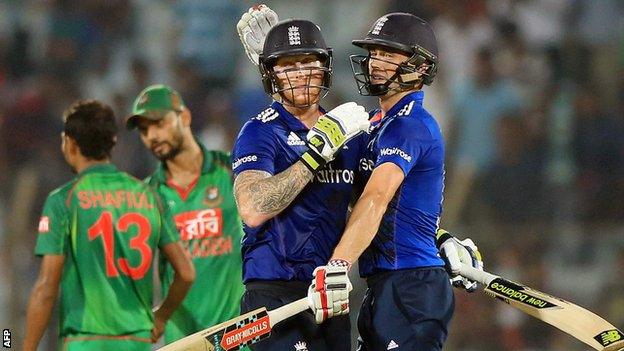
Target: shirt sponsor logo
[(199, 224), (240, 161), (208, 247), (396, 151), (201, 233), (334, 176), (44, 224), (366, 164), (293, 139)]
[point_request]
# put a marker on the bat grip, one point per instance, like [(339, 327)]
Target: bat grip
[(472, 273), (279, 314)]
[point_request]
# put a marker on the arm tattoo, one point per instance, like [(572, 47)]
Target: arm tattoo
[(268, 194)]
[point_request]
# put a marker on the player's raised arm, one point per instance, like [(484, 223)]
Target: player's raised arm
[(42, 299), (253, 28)]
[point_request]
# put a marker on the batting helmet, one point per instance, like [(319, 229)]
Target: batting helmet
[(289, 38), (402, 32)]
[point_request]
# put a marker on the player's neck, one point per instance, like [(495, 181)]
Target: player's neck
[(307, 115), (386, 102), (188, 162), (83, 163)]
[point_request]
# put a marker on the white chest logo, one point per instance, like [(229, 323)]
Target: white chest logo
[(392, 345), (301, 346), (293, 139), (267, 115), (294, 38), (379, 25), (406, 110)]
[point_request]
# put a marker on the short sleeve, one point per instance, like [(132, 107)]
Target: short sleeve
[(401, 142), (53, 227), (168, 231), (254, 148)]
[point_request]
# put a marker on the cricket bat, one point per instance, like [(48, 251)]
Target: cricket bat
[(580, 323), (243, 330)]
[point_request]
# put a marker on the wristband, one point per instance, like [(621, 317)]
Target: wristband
[(312, 157)]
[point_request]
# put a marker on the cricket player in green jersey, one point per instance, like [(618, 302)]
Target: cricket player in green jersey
[(195, 185), (98, 235)]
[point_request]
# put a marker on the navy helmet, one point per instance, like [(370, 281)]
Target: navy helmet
[(289, 38), (407, 34)]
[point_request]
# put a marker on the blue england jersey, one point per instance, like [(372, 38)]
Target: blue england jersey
[(303, 236), (409, 137)]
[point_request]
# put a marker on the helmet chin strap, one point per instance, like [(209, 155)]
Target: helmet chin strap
[(384, 88)]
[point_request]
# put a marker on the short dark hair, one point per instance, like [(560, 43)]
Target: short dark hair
[(91, 124)]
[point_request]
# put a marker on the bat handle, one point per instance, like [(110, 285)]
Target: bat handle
[(472, 273), (279, 314)]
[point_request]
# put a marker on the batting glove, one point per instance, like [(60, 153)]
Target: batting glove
[(454, 252), (253, 28), (332, 131), (328, 295)]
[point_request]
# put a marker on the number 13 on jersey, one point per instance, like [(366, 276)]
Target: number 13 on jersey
[(105, 228)]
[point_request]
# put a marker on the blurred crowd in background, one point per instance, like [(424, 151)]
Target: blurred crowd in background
[(530, 97)]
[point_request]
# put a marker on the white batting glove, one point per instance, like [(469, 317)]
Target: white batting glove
[(455, 252), (332, 131), (328, 295), (253, 28)]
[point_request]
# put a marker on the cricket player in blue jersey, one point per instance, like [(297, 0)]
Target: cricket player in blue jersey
[(392, 229), (296, 167), (398, 85)]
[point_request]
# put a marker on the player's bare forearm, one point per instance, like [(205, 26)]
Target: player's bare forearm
[(42, 299), (260, 196), (368, 211), (184, 275)]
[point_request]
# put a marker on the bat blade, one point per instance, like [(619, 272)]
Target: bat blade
[(238, 332), (572, 319)]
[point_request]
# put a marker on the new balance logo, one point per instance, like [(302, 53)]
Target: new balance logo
[(406, 109), (267, 115), (379, 25), (294, 38), (392, 345), (293, 140)]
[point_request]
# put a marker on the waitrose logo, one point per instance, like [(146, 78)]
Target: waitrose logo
[(396, 151)]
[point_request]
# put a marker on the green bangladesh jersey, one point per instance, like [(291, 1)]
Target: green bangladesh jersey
[(108, 226), (210, 230)]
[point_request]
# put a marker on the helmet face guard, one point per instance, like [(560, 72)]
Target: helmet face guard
[(293, 38), (407, 74), (281, 82)]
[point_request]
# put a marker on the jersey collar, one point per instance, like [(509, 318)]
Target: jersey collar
[(99, 168), (291, 121), (416, 96), (207, 166)]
